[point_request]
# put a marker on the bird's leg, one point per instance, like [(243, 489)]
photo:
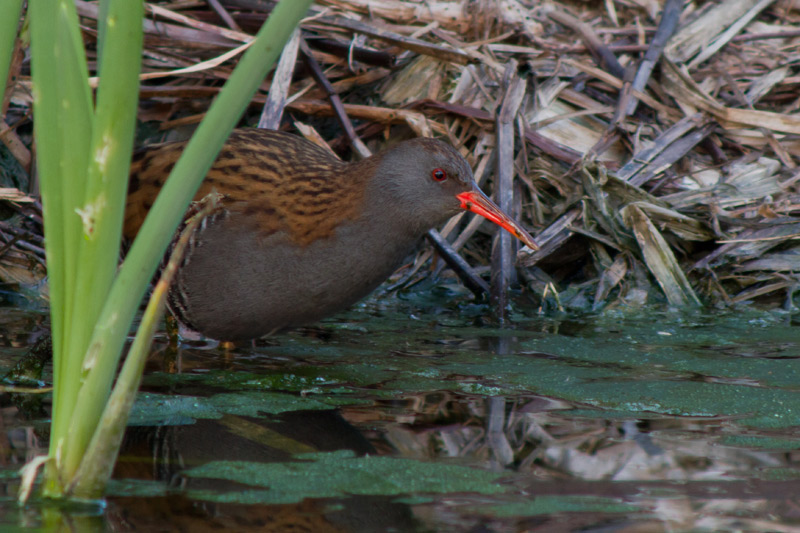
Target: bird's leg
[(171, 359)]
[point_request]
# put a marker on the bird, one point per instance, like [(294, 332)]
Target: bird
[(300, 234)]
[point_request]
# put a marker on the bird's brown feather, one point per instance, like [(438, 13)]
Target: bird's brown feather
[(276, 181)]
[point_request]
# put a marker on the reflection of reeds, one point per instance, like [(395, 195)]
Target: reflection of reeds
[(545, 440), (619, 457)]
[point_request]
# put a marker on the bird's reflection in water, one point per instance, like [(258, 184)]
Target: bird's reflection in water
[(163, 453)]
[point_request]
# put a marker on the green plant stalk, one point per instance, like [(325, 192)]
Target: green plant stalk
[(102, 23), (10, 11), (63, 107), (78, 149), (103, 208), (98, 461), (129, 286), (45, 102)]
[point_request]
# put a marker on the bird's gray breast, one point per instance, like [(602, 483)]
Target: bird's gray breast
[(241, 284)]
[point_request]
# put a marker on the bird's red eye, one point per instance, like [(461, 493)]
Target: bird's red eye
[(439, 174)]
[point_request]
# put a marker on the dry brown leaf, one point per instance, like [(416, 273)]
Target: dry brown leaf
[(707, 33), (681, 225), (659, 258), (683, 89), (405, 86)]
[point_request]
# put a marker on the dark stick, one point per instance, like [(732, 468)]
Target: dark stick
[(375, 58), (503, 250), (224, 15), (666, 28), (336, 102), (409, 43), (459, 265)]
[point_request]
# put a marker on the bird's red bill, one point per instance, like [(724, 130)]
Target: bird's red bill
[(479, 203)]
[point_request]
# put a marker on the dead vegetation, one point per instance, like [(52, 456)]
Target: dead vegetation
[(651, 147)]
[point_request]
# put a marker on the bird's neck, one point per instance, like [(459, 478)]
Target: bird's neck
[(383, 227)]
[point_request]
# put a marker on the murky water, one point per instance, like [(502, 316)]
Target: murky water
[(407, 416)]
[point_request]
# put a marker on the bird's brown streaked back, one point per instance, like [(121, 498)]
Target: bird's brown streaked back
[(278, 180)]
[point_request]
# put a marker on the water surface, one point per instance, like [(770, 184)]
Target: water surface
[(413, 415)]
